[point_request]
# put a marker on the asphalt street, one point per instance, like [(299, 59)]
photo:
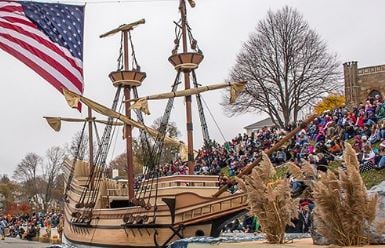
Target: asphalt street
[(16, 243)]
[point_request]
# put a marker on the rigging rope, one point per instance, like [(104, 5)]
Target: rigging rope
[(144, 138), (100, 160), (178, 35), (120, 57), (152, 170), (70, 176), (202, 117), (212, 116), (116, 137), (96, 132), (135, 64), (91, 190)]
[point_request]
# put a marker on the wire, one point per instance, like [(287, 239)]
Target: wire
[(120, 58), (135, 64), (116, 137), (212, 116), (124, 1), (105, 1)]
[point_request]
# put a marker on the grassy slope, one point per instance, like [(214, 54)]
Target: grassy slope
[(371, 178)]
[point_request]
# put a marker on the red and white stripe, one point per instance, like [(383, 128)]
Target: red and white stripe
[(22, 39)]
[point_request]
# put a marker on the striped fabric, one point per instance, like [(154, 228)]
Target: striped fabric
[(48, 38)]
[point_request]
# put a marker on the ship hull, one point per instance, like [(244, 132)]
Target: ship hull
[(184, 207), (145, 236), (131, 237)]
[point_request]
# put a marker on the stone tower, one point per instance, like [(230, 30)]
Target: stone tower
[(351, 84), (360, 83)]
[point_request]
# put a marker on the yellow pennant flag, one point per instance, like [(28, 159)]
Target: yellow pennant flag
[(71, 98), (235, 90), (142, 105), (54, 122)]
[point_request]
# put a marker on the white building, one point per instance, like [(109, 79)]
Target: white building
[(258, 125)]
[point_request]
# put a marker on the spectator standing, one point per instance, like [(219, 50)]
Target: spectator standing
[(3, 225)]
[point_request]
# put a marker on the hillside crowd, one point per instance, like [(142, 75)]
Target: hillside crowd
[(320, 143)]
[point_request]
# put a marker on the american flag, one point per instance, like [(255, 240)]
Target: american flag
[(47, 37)]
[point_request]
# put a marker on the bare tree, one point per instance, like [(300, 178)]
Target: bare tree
[(287, 67), (26, 172), (4, 179), (78, 146), (51, 171), (142, 155), (171, 130), (58, 189), (27, 169), (120, 163), (169, 151), (7, 191)]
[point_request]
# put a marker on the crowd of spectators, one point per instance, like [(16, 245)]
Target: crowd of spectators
[(28, 226), (320, 143), (231, 157)]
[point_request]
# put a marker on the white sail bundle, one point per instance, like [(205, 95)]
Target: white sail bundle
[(73, 100), (142, 103), (55, 122)]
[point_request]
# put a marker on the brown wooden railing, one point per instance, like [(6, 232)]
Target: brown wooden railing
[(220, 205)]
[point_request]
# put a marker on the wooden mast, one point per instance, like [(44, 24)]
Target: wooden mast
[(127, 79), (91, 147), (128, 131), (189, 124)]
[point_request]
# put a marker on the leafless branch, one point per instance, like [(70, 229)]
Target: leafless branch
[(287, 66)]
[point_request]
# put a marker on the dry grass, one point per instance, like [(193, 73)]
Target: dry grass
[(270, 200), (343, 206), (306, 174)]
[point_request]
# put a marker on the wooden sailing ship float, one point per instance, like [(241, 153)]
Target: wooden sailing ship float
[(104, 212)]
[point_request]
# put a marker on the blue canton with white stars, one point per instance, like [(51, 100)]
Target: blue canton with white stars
[(62, 23)]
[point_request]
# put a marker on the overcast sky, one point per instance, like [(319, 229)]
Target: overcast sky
[(352, 28)]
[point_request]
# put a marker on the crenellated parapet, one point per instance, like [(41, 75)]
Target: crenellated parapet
[(360, 83), (371, 70)]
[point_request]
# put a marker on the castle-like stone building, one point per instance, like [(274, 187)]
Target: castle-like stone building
[(363, 82)]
